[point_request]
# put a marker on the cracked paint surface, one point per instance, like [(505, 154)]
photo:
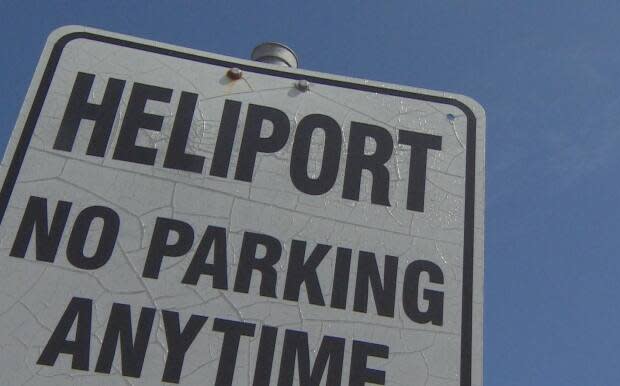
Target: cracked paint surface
[(34, 294)]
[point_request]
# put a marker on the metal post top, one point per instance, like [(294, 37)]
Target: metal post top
[(275, 53)]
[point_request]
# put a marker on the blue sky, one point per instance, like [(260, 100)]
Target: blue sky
[(548, 75)]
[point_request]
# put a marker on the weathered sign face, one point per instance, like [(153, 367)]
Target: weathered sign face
[(163, 221)]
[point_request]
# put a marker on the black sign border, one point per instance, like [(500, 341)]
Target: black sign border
[(470, 160)]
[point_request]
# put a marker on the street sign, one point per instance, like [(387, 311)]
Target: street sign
[(168, 220)]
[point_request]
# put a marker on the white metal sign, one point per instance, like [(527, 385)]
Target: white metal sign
[(165, 222)]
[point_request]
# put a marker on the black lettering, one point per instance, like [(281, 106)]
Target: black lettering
[(213, 236), (230, 346), (434, 312), (420, 143), (119, 330), (300, 155), (252, 142), (159, 244), (225, 139), (79, 233), (176, 157), (135, 119), (330, 354), (360, 373), (35, 220), (300, 272), (358, 160), (79, 309), (248, 262), (383, 294), (79, 108), (340, 285), (264, 357), (178, 342)]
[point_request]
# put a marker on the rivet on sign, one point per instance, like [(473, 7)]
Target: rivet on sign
[(234, 73), (450, 117), (302, 85)]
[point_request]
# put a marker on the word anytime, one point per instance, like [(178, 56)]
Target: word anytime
[(119, 333)]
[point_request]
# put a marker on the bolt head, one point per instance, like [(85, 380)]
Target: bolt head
[(302, 85), (234, 73)]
